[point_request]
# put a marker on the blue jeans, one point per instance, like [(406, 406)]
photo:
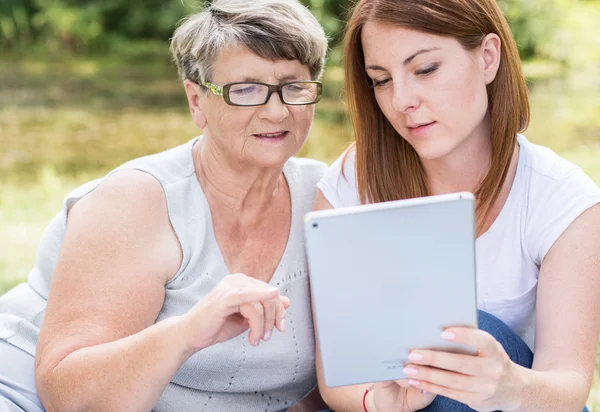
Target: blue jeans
[(514, 346)]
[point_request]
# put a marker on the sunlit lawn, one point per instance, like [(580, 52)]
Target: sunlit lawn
[(62, 124)]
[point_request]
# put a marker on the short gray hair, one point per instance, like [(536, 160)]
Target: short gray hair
[(273, 29)]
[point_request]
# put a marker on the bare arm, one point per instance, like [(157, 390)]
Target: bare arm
[(568, 320), (99, 348), (345, 398)]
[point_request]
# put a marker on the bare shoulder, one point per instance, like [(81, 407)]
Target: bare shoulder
[(109, 282), (592, 215), (129, 207), (583, 233), (126, 190)]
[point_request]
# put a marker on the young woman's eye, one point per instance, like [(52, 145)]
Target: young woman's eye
[(377, 83), (428, 70)]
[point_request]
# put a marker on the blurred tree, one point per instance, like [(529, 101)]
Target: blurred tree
[(332, 15), (15, 22), (98, 24), (78, 24), (536, 23)]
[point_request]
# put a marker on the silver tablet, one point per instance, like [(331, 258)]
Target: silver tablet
[(387, 278)]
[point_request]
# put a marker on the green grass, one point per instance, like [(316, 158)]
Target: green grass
[(24, 212)]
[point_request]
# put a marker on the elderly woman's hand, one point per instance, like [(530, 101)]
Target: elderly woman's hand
[(237, 303)]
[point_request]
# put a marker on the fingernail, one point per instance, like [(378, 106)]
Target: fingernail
[(267, 335), (448, 335), (413, 382), (415, 357), (410, 371), (256, 342), (424, 392), (282, 325)]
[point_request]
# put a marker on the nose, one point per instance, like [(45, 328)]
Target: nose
[(274, 110), (404, 98)]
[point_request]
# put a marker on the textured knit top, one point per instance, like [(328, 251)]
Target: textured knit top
[(231, 376)]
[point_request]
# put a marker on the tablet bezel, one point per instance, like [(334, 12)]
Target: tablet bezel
[(348, 357)]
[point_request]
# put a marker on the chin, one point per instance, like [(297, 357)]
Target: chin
[(432, 150), (278, 155), (272, 158)]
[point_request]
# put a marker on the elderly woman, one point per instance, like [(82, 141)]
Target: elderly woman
[(167, 284)]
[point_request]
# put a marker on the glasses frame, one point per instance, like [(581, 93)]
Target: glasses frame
[(273, 88)]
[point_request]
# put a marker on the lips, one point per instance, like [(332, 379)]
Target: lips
[(272, 135), (420, 129), (417, 125)]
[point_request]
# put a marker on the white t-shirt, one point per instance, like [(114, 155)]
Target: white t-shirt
[(547, 195)]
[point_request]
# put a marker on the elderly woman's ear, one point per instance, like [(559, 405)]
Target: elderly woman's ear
[(196, 97)]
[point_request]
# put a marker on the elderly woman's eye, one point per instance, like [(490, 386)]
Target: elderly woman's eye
[(298, 89), (248, 89)]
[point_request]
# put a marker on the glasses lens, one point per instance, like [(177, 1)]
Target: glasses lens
[(301, 92), (248, 93)]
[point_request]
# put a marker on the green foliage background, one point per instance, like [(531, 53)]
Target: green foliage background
[(540, 26)]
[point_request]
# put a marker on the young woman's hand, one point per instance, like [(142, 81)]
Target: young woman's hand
[(487, 382), (399, 396), (237, 303)]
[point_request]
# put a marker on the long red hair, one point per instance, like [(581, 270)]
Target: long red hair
[(387, 166)]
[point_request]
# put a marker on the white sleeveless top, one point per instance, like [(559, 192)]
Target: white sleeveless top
[(547, 195), (230, 376)]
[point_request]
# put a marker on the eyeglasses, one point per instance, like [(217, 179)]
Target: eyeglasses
[(256, 94)]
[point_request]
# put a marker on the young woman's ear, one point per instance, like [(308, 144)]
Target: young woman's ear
[(196, 100), (491, 52)]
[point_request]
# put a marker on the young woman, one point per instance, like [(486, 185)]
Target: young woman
[(437, 99)]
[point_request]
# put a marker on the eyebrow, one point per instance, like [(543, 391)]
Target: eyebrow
[(407, 61), (282, 80)]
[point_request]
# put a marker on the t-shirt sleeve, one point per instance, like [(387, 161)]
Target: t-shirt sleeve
[(559, 203), (339, 183)]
